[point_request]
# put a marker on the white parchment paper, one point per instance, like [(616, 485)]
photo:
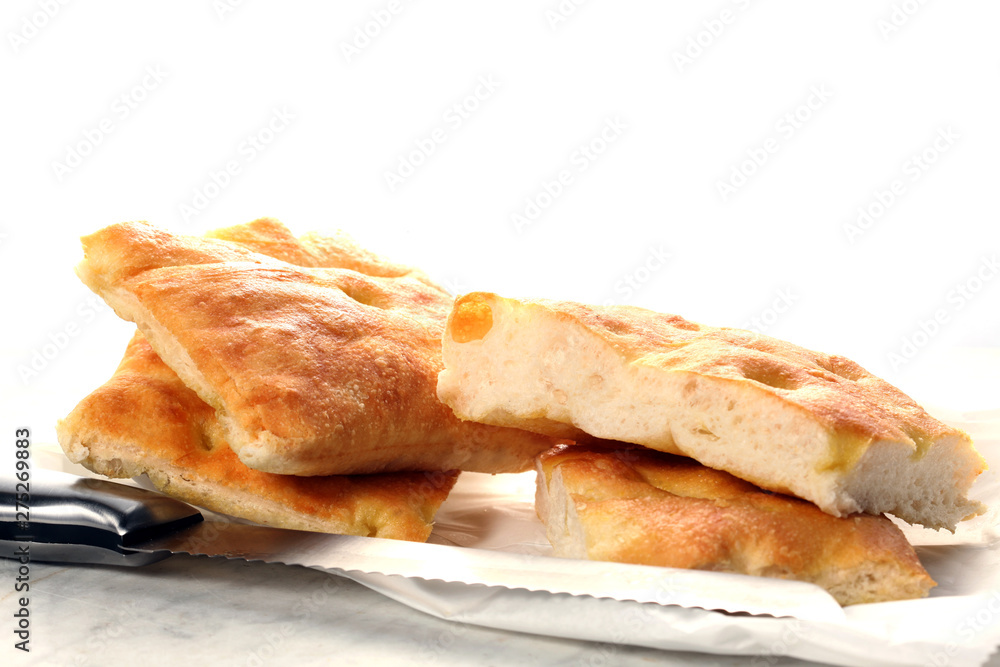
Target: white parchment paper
[(959, 624)]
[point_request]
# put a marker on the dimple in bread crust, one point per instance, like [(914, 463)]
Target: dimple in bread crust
[(787, 419)]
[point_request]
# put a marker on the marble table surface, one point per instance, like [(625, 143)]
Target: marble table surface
[(212, 611)]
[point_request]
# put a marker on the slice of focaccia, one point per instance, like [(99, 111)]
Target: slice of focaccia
[(785, 418), (313, 371), (145, 420), (650, 508)]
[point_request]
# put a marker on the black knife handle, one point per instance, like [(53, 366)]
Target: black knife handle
[(61, 518)]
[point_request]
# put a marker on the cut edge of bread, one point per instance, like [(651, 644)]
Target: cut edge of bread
[(557, 512)]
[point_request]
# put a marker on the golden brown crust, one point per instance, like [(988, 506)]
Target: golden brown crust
[(645, 507), (145, 420), (315, 371)]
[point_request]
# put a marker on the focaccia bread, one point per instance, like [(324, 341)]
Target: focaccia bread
[(312, 371), (650, 508), (145, 420), (782, 417)]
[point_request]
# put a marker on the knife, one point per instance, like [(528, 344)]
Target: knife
[(72, 519)]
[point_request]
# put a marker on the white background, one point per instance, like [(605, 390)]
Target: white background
[(116, 111), (686, 108)]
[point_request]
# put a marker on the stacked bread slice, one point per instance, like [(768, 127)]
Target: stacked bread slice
[(638, 505), (145, 420), (749, 408), (241, 374)]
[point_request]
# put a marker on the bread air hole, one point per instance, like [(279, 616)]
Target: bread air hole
[(204, 441), (472, 320), (703, 432)]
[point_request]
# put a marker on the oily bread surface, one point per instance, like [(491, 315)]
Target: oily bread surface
[(640, 506), (783, 417), (313, 371)]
